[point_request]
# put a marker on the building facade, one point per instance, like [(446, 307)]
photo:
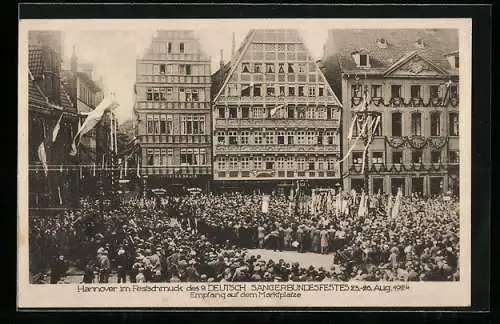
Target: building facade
[(275, 118), (173, 111), (411, 77), (54, 183)]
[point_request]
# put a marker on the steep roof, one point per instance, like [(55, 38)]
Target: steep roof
[(400, 42), (258, 37), (219, 77)]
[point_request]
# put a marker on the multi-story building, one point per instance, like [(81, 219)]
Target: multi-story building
[(411, 78), (95, 148), (275, 118), (173, 111), (56, 184)]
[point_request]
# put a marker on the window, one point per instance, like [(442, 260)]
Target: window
[(301, 137), (187, 69), (396, 124), (162, 69), (245, 162), (269, 163), (302, 68), (221, 162), (435, 156), (290, 137), (312, 165), (222, 112), (163, 125), (330, 138), (245, 112), (257, 68), (149, 124), (453, 157), (269, 137), (157, 157), (192, 125), (281, 138), (454, 123), (321, 91), (415, 91), (194, 95), (257, 162), (270, 91), (363, 60), (193, 156), (281, 68), (233, 112), (312, 91), (377, 157), (311, 112), (311, 138), (156, 124), (291, 91), (244, 137), (169, 47), (356, 90), (378, 130), (181, 47), (290, 163), (150, 157), (291, 112), (233, 138), (416, 124), (301, 163), (257, 90), (397, 157), (221, 138), (434, 91), (149, 95), (259, 112), (357, 157), (257, 138), (245, 90), (162, 94), (395, 91), (245, 67), (416, 156), (182, 95), (270, 68), (290, 68), (457, 61), (376, 91), (301, 91), (280, 162), (435, 124), (282, 91)]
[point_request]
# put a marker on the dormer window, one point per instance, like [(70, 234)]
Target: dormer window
[(363, 60), (419, 43), (382, 43), (453, 59)]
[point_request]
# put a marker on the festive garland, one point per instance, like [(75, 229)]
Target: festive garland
[(399, 168), (400, 102), (395, 141), (417, 142), (437, 143)]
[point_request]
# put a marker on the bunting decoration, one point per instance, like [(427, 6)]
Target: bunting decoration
[(42, 155), (56, 128)]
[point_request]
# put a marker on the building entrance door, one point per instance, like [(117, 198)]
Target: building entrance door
[(357, 184), (397, 183), (417, 185), (436, 186)]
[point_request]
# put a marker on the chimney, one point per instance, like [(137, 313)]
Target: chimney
[(233, 45), (221, 63)]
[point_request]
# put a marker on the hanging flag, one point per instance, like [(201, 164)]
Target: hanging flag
[(362, 207), (389, 205), (93, 171), (92, 119), (351, 130), (56, 128), (42, 156), (138, 174), (265, 203), (275, 109), (126, 165), (59, 193), (397, 203), (446, 94)]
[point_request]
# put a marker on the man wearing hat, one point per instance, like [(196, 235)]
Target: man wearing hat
[(104, 266), (121, 265)]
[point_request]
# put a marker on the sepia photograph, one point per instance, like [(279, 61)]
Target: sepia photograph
[(227, 154)]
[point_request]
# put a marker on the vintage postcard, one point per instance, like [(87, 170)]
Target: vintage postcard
[(244, 163)]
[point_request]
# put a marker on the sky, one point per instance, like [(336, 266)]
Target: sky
[(114, 52), (113, 46)]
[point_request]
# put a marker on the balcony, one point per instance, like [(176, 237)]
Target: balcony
[(238, 100), (319, 149), (174, 139), (277, 122), (177, 171)]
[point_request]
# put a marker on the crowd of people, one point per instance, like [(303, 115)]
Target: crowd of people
[(209, 237)]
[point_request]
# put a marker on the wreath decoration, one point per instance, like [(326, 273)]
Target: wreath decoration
[(437, 143), (395, 141), (417, 142)]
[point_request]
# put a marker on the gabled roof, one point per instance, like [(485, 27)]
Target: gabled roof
[(35, 62), (407, 58), (258, 36), (400, 42)]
